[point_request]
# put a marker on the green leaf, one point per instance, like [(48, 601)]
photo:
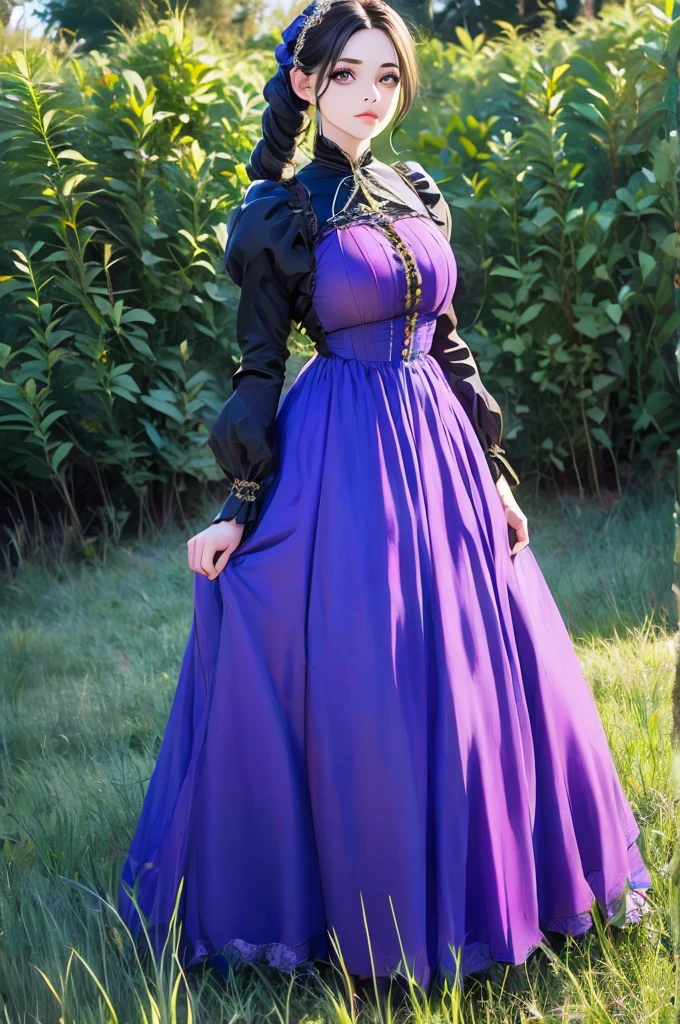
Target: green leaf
[(544, 216), (647, 264), (588, 325), (72, 183), (124, 380), (134, 316), (589, 111), (20, 61), (506, 272), (54, 356), (642, 422), (17, 419), (120, 186), (117, 311), (122, 368), (123, 393), (673, 39), (102, 304), (530, 313), (514, 345), (140, 346), (73, 154), (659, 401), (468, 145), (604, 220), (602, 437), (667, 328), (51, 418), (602, 380), (671, 245), (624, 195), (153, 435), (149, 260), (135, 80), (60, 454), (165, 408), (586, 253)]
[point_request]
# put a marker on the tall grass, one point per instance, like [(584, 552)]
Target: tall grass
[(90, 657)]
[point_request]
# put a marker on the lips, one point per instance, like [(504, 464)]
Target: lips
[(373, 117)]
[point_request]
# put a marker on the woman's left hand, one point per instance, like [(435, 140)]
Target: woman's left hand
[(513, 514)]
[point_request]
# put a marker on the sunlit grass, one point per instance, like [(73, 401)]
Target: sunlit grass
[(89, 659)]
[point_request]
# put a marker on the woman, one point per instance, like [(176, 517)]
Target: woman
[(379, 711)]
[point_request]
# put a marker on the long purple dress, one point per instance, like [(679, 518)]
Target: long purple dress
[(379, 708)]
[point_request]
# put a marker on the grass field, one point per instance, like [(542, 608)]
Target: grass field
[(89, 658)]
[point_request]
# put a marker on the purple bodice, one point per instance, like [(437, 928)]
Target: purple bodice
[(360, 288)]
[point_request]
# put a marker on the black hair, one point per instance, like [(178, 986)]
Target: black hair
[(286, 116)]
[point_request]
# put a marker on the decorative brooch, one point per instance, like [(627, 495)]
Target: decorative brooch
[(245, 489)]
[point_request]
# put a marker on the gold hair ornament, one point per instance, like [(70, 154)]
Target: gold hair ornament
[(313, 19)]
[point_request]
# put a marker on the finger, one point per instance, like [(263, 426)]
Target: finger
[(197, 557), (513, 517), (222, 560), (208, 559), (519, 545)]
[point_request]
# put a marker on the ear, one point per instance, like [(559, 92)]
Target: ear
[(302, 84)]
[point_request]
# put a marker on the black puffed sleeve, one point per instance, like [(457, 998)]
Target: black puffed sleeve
[(268, 256), (451, 352)]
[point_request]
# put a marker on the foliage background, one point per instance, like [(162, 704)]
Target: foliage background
[(556, 150), (558, 153)]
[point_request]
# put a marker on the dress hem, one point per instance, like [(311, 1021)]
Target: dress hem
[(476, 957)]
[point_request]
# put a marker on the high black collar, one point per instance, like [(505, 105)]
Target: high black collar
[(329, 154)]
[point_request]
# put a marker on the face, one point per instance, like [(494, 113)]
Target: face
[(361, 94)]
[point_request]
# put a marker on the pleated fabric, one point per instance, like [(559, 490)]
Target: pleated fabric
[(380, 712)]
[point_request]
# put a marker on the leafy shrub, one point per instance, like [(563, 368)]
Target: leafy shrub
[(555, 152), (115, 320), (559, 161)]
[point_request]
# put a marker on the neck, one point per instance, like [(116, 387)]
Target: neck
[(341, 153)]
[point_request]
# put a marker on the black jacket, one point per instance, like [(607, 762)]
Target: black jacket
[(269, 254)]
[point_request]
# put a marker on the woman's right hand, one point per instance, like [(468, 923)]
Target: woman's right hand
[(222, 537)]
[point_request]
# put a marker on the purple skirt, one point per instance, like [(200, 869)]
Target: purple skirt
[(381, 731)]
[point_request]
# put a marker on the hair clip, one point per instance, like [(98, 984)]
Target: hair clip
[(287, 52), (314, 18)]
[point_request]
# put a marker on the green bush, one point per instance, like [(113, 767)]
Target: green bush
[(115, 318), (555, 152), (558, 155)]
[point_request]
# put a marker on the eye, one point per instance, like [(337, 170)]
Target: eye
[(336, 76), (342, 71)]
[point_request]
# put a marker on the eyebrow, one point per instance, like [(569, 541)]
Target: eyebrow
[(353, 60)]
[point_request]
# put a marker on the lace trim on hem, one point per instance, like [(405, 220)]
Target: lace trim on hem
[(635, 906), (476, 957), (299, 957)]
